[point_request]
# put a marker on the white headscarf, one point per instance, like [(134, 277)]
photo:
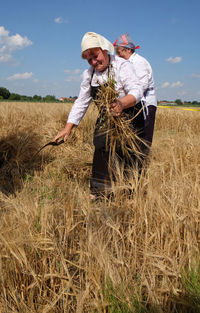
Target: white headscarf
[(92, 40)]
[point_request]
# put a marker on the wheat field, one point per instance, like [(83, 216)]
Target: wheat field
[(60, 252)]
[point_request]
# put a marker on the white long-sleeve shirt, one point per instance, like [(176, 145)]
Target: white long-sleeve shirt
[(126, 79), (144, 72)]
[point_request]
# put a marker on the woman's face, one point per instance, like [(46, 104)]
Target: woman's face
[(123, 52), (97, 58)]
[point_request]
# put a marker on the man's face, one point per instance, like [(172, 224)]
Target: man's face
[(123, 52), (97, 58)]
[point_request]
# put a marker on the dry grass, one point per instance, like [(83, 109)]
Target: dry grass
[(59, 252)]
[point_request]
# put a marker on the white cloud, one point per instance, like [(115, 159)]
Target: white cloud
[(4, 57), (20, 76), (3, 32), (73, 75), (174, 60), (77, 71), (182, 93), (8, 44), (166, 84), (60, 20), (176, 84), (194, 75), (73, 72), (172, 85), (36, 80), (73, 78)]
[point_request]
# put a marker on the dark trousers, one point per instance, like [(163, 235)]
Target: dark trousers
[(101, 177), (149, 123), (101, 173)]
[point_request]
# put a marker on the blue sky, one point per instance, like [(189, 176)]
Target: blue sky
[(40, 43)]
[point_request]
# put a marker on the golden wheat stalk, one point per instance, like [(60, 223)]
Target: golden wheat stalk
[(119, 130)]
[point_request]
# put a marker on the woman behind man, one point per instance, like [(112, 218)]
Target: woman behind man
[(125, 48), (98, 51)]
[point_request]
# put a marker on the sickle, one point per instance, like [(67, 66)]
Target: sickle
[(51, 143)]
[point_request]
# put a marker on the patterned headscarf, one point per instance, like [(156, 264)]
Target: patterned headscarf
[(125, 41)]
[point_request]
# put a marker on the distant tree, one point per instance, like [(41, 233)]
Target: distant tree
[(49, 98), (14, 96), (24, 98), (29, 98), (178, 102), (5, 93), (195, 103), (37, 98)]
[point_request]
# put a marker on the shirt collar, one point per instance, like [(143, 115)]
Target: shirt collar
[(132, 56)]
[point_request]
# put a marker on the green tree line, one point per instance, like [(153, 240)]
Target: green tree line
[(179, 102), (5, 94)]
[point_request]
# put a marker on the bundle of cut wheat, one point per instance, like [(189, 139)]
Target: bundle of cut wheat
[(119, 130)]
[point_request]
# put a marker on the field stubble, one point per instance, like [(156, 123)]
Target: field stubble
[(61, 253)]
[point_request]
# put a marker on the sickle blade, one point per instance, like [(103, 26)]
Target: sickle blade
[(51, 143)]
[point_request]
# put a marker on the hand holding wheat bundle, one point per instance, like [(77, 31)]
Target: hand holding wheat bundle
[(116, 107)]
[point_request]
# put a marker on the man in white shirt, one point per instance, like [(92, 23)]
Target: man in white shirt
[(125, 48)]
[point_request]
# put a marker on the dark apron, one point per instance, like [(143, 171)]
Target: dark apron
[(100, 182)]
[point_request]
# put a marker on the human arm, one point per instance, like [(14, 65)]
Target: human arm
[(79, 107), (81, 104), (128, 82)]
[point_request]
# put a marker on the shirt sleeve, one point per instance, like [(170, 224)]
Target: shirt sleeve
[(131, 83), (143, 71), (81, 104)]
